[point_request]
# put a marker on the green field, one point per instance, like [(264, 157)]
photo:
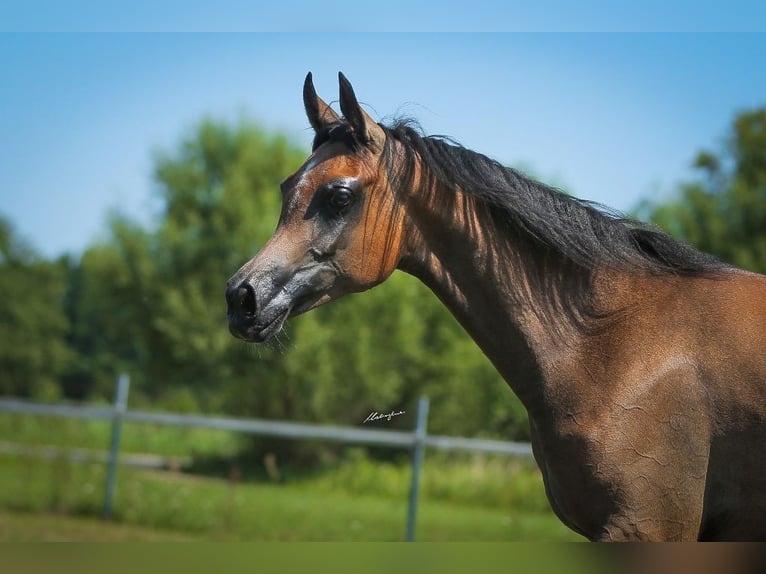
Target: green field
[(469, 498), (26, 527)]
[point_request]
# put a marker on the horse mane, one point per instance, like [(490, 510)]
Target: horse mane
[(564, 235), (582, 232)]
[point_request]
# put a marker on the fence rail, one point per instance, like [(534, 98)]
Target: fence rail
[(416, 440), (137, 460), (350, 435)]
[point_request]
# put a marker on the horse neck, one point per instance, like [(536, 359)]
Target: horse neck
[(484, 277)]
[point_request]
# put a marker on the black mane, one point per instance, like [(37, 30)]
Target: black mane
[(565, 236), (582, 232)]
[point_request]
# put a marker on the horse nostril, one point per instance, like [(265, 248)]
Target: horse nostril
[(246, 297), (241, 300)]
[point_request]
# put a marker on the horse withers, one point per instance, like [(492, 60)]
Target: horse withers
[(641, 361)]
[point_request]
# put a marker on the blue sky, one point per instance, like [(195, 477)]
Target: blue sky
[(388, 16), (614, 117)]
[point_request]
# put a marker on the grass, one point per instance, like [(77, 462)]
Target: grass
[(26, 527), (222, 510), (136, 437), (463, 498), (489, 481)]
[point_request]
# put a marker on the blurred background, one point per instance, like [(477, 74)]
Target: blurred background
[(139, 171)]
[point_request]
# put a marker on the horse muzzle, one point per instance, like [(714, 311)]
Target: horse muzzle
[(258, 308)]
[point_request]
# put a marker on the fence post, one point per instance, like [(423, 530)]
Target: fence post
[(120, 406), (418, 451)]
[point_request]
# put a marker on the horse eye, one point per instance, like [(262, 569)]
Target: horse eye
[(340, 197)]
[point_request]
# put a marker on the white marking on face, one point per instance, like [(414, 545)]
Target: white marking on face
[(307, 167)]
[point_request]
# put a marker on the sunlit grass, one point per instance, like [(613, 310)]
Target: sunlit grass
[(27, 527), (491, 481), (223, 510), (136, 437), (349, 497)]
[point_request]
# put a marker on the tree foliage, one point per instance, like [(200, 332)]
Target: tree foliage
[(149, 299), (33, 326), (724, 210)]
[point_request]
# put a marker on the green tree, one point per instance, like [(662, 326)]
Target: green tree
[(150, 301), (33, 326), (109, 305), (724, 211)]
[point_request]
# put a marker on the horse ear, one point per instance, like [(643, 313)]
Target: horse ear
[(365, 128), (320, 114)]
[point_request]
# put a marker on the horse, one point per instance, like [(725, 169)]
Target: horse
[(640, 360)]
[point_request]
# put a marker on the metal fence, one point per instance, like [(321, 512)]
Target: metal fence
[(417, 440)]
